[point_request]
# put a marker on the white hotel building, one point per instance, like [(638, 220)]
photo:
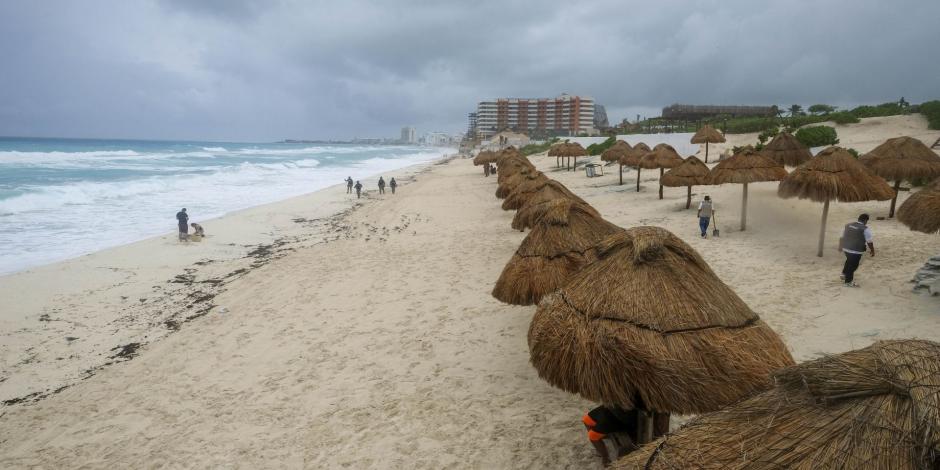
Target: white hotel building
[(564, 115)]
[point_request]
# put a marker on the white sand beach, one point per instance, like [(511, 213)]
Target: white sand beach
[(325, 332)]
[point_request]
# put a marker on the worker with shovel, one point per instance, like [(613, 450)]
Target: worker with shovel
[(706, 209)]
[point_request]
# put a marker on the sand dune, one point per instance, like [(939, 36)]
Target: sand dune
[(371, 340)]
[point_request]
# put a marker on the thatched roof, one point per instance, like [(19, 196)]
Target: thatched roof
[(559, 245), (834, 174), (871, 408), (632, 157), (692, 172), (510, 163), (663, 156), (786, 150), (921, 211), (651, 319), (708, 134), (555, 149), (536, 191), (746, 166), (485, 156), (573, 149), (513, 180), (616, 151), (902, 158), (529, 214)]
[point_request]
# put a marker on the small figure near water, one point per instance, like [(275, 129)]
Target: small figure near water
[(855, 237), (381, 185), (706, 209), (392, 184), (182, 219), (349, 184), (358, 189), (198, 232)]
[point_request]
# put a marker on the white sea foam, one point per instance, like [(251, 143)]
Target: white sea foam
[(215, 149)]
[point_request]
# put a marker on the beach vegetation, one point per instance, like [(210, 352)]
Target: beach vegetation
[(597, 149), (931, 110), (817, 136), (796, 110), (817, 109), (532, 149), (766, 135), (844, 117)]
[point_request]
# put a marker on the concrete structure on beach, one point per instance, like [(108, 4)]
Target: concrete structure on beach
[(563, 115)]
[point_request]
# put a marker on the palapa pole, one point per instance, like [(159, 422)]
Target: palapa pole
[(822, 230), (661, 170), (638, 178), (621, 174), (688, 199), (897, 189), (706, 151), (744, 209)]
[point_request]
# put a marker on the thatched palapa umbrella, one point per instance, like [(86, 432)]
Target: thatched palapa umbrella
[(746, 166), (513, 180), (534, 192), (786, 150), (616, 153), (632, 158), (663, 156), (921, 211), (484, 157), (902, 158), (573, 150), (692, 172), (650, 321), (529, 214), (706, 135), (871, 408), (559, 245), (833, 174)]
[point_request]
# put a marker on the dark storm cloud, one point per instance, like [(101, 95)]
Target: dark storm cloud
[(250, 69)]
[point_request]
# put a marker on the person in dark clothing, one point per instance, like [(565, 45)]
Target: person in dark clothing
[(392, 184), (349, 185), (381, 185), (358, 189), (486, 169), (605, 420), (182, 220), (855, 237)]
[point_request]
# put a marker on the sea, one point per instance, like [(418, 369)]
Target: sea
[(62, 198)]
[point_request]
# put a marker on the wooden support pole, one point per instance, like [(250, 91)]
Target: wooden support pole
[(688, 199), (621, 174), (661, 171), (660, 424), (894, 200), (637, 179), (822, 229), (744, 209), (644, 427), (706, 151)]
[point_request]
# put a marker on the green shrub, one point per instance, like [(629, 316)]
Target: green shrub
[(597, 149), (821, 109), (853, 152), (931, 110), (796, 122), (817, 136), (747, 125), (884, 109), (844, 117), (767, 135), (533, 149)]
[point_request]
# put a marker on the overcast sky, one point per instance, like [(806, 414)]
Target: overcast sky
[(266, 70)]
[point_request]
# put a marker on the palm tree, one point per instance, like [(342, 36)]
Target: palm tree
[(796, 110)]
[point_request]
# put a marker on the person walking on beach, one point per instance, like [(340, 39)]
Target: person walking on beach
[(358, 189), (392, 184), (182, 220), (705, 211), (349, 185), (381, 185), (855, 237)]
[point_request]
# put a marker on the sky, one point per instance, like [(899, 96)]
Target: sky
[(252, 70)]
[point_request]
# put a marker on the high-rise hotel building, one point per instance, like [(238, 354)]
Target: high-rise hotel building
[(564, 115)]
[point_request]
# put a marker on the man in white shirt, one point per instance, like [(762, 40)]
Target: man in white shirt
[(855, 237)]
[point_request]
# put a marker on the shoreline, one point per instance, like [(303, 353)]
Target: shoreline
[(147, 289)]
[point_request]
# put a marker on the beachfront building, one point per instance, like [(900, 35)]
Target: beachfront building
[(694, 112), (408, 135), (563, 115)]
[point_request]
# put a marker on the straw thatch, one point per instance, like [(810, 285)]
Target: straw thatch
[(833, 174), (484, 157), (650, 319), (663, 156), (632, 158), (513, 180), (786, 150), (509, 163), (707, 135), (573, 150), (536, 191), (529, 214), (616, 151), (744, 167), (559, 245), (902, 158), (921, 211), (872, 408), (692, 172)]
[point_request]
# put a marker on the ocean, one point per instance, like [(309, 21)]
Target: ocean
[(62, 198)]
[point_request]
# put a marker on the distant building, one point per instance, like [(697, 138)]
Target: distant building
[(408, 135), (563, 115), (438, 139), (471, 125), (696, 112), (600, 117)]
